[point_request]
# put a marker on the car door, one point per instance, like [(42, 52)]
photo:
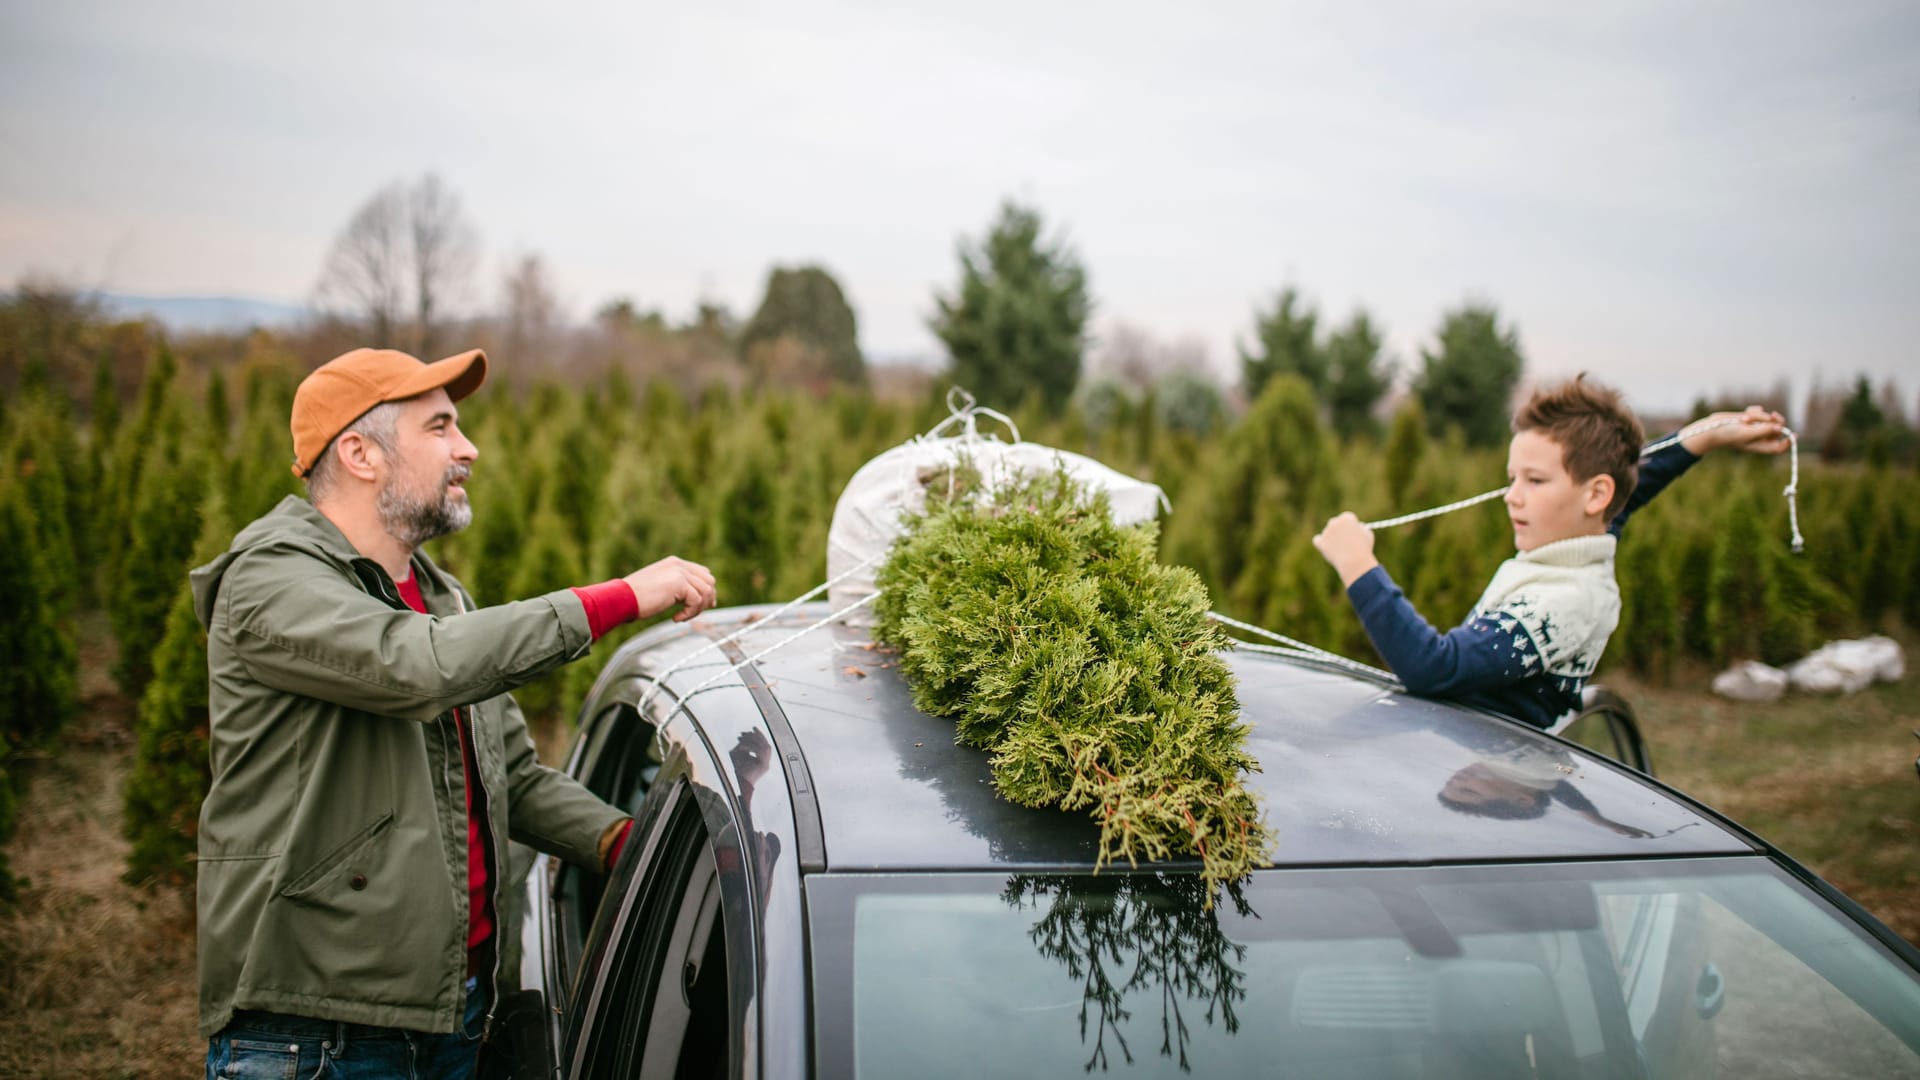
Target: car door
[(665, 980)]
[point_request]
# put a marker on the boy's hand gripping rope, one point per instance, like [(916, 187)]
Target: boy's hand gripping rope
[(1792, 490)]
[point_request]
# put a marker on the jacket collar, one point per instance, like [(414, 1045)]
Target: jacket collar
[(1574, 551)]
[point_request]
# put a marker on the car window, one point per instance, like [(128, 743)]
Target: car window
[(620, 767), (1627, 969), (661, 1008)]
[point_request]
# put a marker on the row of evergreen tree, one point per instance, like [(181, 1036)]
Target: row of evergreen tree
[(581, 484)]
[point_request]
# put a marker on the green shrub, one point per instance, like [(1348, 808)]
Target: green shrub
[(1058, 642), (170, 774)]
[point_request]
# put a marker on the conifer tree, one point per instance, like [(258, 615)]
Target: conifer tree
[(1406, 445), (805, 304), (1467, 381), (45, 460), (37, 669), (135, 441), (1649, 633), (1016, 323), (1883, 572), (745, 517), (170, 774), (1187, 402), (219, 409), (1088, 669), (550, 560), (1277, 454), (1356, 376), (1286, 342), (1738, 584), (163, 526)]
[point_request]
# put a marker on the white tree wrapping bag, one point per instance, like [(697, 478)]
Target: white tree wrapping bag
[(866, 520)]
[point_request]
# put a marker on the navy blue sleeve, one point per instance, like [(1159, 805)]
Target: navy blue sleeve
[(1480, 654), (1656, 472)]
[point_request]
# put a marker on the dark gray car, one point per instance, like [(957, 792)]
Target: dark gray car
[(821, 883)]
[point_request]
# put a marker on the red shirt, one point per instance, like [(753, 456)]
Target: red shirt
[(479, 905)]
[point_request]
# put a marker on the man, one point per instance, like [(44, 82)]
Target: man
[(369, 766)]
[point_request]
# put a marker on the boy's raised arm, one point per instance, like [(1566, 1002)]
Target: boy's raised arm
[(1754, 430)]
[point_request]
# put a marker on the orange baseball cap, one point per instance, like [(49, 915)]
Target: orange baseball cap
[(341, 390)]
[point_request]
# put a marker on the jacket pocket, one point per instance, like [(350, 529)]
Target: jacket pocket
[(353, 856)]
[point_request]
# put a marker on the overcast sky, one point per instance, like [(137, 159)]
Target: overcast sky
[(1678, 200)]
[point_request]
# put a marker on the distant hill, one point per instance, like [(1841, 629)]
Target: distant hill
[(203, 313)]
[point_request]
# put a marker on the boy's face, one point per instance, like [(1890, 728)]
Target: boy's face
[(1544, 501)]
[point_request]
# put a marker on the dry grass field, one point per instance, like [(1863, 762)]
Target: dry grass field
[(97, 977)]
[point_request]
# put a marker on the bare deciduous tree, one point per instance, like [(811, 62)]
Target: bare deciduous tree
[(529, 312), (445, 245), (399, 264)]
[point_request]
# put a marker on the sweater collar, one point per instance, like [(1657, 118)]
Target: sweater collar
[(1573, 551)]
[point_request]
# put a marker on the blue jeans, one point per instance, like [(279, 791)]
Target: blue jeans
[(264, 1044)]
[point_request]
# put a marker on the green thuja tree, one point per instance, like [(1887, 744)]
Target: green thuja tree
[(1690, 555), (133, 446), (1738, 584), (1406, 445), (170, 775), (551, 560), (1649, 633), (1883, 572), (37, 673), (163, 527), (1277, 455), (746, 538), (1058, 642), (45, 460)]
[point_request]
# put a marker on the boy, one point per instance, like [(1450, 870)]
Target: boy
[(1529, 645)]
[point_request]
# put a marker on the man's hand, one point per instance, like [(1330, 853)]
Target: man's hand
[(672, 581), (1757, 431), (1348, 546)]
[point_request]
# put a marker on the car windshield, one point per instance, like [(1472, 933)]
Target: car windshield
[(1628, 969)]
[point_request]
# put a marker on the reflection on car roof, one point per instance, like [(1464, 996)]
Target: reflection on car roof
[(1354, 772)]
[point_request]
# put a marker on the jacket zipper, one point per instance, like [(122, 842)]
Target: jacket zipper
[(383, 586), (498, 864)]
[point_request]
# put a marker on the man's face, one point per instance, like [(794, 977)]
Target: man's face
[(424, 494), (1544, 502)]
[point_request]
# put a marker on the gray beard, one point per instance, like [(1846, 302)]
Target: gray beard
[(414, 519)]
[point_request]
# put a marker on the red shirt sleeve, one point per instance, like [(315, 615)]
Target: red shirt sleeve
[(609, 604), (613, 853)]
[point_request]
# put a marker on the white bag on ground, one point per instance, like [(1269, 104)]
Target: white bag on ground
[(1751, 680), (1849, 666), (866, 520)]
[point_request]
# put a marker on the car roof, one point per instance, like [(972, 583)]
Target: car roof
[(1352, 768)]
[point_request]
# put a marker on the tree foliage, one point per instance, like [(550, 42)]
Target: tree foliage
[(806, 306), (1467, 380), (1357, 376), (1058, 642), (1015, 325), (1286, 342), (170, 775)]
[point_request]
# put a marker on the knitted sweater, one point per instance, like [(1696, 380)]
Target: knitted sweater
[(1532, 641)]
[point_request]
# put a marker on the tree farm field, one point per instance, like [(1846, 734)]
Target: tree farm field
[(99, 975)]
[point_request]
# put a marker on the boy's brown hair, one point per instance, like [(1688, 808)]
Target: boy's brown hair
[(1596, 433)]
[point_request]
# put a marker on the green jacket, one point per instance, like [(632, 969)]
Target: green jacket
[(333, 842)]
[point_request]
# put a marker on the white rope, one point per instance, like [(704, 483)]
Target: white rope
[(709, 683), (721, 642), (1422, 515), (962, 410), (1792, 490), (1297, 646)]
